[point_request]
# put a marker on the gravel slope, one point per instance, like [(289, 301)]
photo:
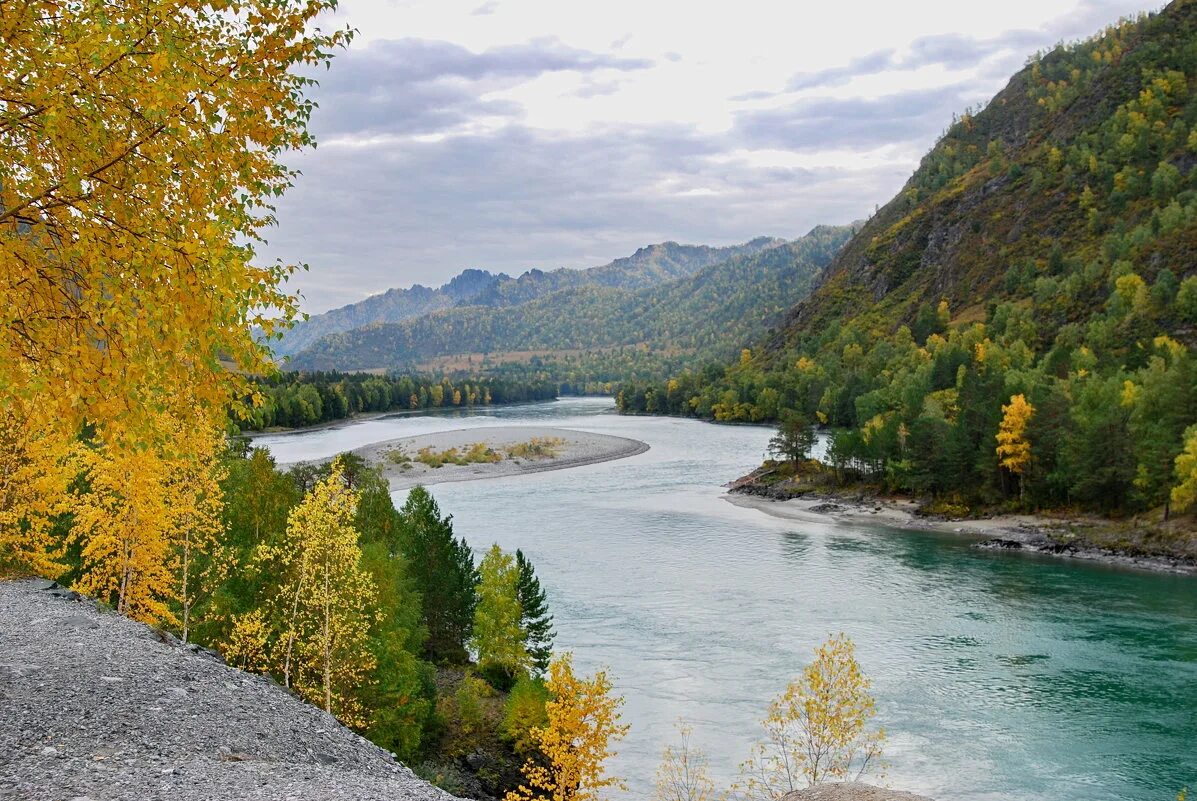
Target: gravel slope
[(96, 706)]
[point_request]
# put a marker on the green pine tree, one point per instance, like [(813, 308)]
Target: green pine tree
[(536, 621), (442, 569)]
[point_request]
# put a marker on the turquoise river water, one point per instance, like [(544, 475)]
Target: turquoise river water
[(997, 676)]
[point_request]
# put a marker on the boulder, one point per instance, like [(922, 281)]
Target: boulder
[(851, 791)]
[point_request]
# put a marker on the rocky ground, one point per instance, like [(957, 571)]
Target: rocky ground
[(851, 792), (576, 449), (96, 706), (1068, 537)]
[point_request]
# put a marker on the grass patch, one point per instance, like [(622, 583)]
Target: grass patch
[(477, 453), (536, 448)]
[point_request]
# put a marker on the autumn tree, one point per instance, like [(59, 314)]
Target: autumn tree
[(124, 527), (442, 570), (1013, 448), (535, 619), (322, 606), (197, 504), (684, 773), (139, 152), (582, 723), (34, 468), (1184, 494), (817, 729), (498, 639)]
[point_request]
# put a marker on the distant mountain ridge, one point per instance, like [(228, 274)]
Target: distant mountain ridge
[(648, 266), (631, 302)]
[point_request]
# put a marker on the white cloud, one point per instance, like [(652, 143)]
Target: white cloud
[(538, 133)]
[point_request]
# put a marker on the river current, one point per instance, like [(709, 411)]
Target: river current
[(997, 675)]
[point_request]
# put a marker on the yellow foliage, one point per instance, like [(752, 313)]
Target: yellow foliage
[(34, 474), (142, 515), (1013, 449), (583, 721), (124, 524), (322, 607), (817, 729), (248, 641), (1184, 494), (139, 148), (498, 639), (683, 774)]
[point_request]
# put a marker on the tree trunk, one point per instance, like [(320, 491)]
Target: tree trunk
[(327, 649), (186, 568), (291, 623)]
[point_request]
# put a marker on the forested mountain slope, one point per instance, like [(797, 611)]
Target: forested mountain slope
[(1037, 278), (710, 313), (648, 266)]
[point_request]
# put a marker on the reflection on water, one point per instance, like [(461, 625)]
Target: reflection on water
[(998, 676)]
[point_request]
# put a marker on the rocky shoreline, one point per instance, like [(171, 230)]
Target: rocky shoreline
[(1060, 537), (96, 706)]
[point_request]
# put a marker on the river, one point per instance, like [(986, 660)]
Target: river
[(997, 675)]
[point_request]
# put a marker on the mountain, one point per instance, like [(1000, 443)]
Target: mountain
[(629, 302), (1035, 279), (648, 266)]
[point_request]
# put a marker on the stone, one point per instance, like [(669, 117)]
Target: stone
[(850, 791)]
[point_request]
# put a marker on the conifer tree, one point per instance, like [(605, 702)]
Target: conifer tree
[(1013, 449), (442, 569), (535, 619)]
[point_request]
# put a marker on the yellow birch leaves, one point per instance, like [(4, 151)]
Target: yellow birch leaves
[(817, 729), (323, 605), (498, 639), (139, 152), (583, 722), (1184, 494)]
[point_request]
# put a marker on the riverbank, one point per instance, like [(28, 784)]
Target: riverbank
[(515, 450), (1070, 537)]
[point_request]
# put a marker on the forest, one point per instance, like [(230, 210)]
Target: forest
[(702, 316), (294, 400), (1058, 325), (649, 266)]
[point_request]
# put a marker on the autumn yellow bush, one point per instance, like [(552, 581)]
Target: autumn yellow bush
[(817, 729)]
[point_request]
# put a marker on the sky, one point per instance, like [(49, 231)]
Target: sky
[(513, 134)]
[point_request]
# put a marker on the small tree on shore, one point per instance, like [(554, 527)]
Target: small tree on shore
[(683, 774), (794, 438), (817, 729)]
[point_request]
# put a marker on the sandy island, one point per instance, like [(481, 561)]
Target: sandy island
[(1029, 532), (569, 449)]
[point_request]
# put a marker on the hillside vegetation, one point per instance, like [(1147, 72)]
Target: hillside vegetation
[(707, 314), (648, 266), (1035, 278)]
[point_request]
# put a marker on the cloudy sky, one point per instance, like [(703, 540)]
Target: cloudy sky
[(510, 134)]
